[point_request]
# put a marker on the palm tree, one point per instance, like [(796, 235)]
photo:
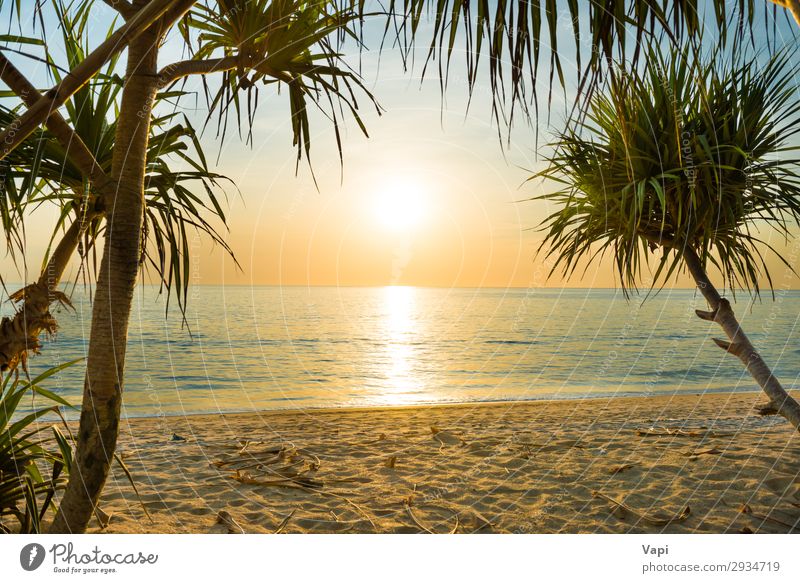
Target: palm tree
[(41, 171), (291, 46), (681, 165), (295, 44), (180, 193)]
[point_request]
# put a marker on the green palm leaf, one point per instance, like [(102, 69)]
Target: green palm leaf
[(683, 153)]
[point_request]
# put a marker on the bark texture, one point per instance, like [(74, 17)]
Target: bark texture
[(100, 412), (739, 344)]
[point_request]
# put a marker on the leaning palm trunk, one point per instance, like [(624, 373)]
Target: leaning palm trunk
[(100, 413), (681, 155), (739, 344), (19, 334)]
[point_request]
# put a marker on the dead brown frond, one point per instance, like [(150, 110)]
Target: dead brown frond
[(622, 510)]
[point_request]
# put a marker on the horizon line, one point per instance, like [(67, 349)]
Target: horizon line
[(766, 291)]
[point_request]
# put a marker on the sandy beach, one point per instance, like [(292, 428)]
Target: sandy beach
[(684, 464)]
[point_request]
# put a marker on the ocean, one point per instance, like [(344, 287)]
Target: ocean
[(255, 348)]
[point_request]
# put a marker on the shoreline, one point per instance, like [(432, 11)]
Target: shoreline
[(455, 404), (532, 466)]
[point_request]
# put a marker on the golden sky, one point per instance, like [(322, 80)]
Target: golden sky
[(430, 198)]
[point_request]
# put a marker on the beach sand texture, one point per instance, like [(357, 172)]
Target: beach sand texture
[(533, 467)]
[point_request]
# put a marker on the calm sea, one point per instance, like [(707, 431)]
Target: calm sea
[(252, 348)]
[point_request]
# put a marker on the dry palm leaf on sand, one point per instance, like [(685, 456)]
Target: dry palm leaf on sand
[(643, 516), (102, 518), (225, 524), (698, 453), (446, 438), (746, 509), (284, 522), (245, 457), (669, 432), (480, 521), (282, 466), (279, 465), (420, 525), (296, 481), (666, 432)]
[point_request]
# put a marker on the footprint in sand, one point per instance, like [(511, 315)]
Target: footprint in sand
[(788, 486), (446, 438), (481, 453)]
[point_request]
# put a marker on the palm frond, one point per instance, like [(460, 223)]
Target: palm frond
[(182, 195), (299, 44), (33, 464), (279, 42), (688, 151)]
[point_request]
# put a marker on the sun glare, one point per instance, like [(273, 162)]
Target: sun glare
[(401, 354), (401, 207)]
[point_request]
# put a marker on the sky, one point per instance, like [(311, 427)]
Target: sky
[(431, 198)]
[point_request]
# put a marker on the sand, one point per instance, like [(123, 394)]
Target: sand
[(540, 467)]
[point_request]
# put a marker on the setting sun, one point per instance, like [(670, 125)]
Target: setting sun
[(401, 206)]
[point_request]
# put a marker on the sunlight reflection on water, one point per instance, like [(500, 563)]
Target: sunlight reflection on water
[(401, 382), (289, 347)]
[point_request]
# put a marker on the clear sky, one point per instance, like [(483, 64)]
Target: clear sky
[(429, 199)]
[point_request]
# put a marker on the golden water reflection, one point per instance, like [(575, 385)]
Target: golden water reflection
[(402, 384)]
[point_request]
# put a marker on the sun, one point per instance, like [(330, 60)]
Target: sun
[(401, 206)]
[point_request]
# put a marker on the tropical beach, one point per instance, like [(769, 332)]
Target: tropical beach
[(278, 266), (685, 464)]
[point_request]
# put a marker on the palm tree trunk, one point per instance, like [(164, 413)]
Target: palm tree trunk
[(739, 344), (100, 413)]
